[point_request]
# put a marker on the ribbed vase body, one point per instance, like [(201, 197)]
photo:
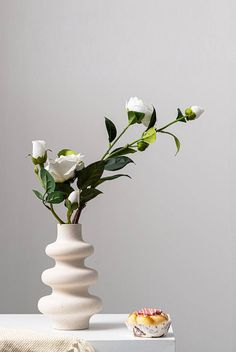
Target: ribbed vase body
[(70, 305)]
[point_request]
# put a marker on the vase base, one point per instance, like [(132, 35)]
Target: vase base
[(75, 328), (71, 326)]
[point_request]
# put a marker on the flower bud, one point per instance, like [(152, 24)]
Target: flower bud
[(39, 152), (74, 197), (194, 112), (142, 146), (137, 105)]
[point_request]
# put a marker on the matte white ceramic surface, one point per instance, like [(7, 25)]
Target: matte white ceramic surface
[(70, 305)]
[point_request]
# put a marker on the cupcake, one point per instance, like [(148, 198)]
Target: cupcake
[(148, 322)]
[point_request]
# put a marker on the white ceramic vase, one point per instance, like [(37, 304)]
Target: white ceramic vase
[(70, 305)]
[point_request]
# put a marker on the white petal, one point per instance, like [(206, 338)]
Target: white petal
[(146, 120), (74, 197), (132, 103), (197, 110), (39, 149), (63, 168), (52, 168)]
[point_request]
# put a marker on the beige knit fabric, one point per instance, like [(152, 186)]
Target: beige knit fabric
[(31, 341)]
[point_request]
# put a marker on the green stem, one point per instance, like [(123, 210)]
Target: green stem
[(116, 140), (69, 214), (78, 213), (169, 124), (132, 144), (55, 215), (36, 171)]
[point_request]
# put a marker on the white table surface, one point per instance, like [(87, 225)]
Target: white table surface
[(107, 333)]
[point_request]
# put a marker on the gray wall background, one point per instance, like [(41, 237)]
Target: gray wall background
[(164, 238)]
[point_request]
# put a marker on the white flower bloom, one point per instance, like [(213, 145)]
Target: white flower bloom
[(64, 167), (39, 149), (136, 104), (197, 110), (74, 197)]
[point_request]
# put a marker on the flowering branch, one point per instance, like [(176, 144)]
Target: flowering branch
[(59, 177)]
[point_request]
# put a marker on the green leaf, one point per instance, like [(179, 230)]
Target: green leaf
[(149, 136), (111, 130), (55, 197), (142, 146), (180, 114), (67, 204), (88, 194), (71, 206), (135, 117), (74, 206), (108, 178), (122, 151), (65, 152), (38, 194), (47, 180), (117, 163), (65, 188), (177, 141), (153, 119), (90, 174)]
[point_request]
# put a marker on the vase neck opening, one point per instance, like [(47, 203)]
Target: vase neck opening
[(69, 231)]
